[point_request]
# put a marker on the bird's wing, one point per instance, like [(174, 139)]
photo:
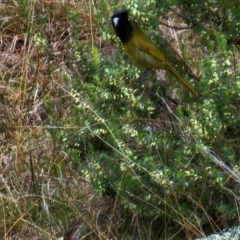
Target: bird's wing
[(156, 58), (143, 43)]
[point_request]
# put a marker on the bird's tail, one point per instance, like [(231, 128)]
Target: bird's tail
[(183, 81)]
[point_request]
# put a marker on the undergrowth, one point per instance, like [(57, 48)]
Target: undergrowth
[(88, 151)]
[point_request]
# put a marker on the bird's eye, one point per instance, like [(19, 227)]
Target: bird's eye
[(115, 21)]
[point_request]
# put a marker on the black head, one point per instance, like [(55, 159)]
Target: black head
[(121, 25)]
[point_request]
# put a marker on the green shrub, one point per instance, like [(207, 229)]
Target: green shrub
[(133, 148)]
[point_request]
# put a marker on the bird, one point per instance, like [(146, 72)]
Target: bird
[(141, 50)]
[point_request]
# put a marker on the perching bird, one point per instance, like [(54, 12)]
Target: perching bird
[(141, 50)]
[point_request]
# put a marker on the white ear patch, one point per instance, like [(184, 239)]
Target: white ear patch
[(115, 21)]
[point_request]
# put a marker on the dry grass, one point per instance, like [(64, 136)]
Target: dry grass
[(35, 201)]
